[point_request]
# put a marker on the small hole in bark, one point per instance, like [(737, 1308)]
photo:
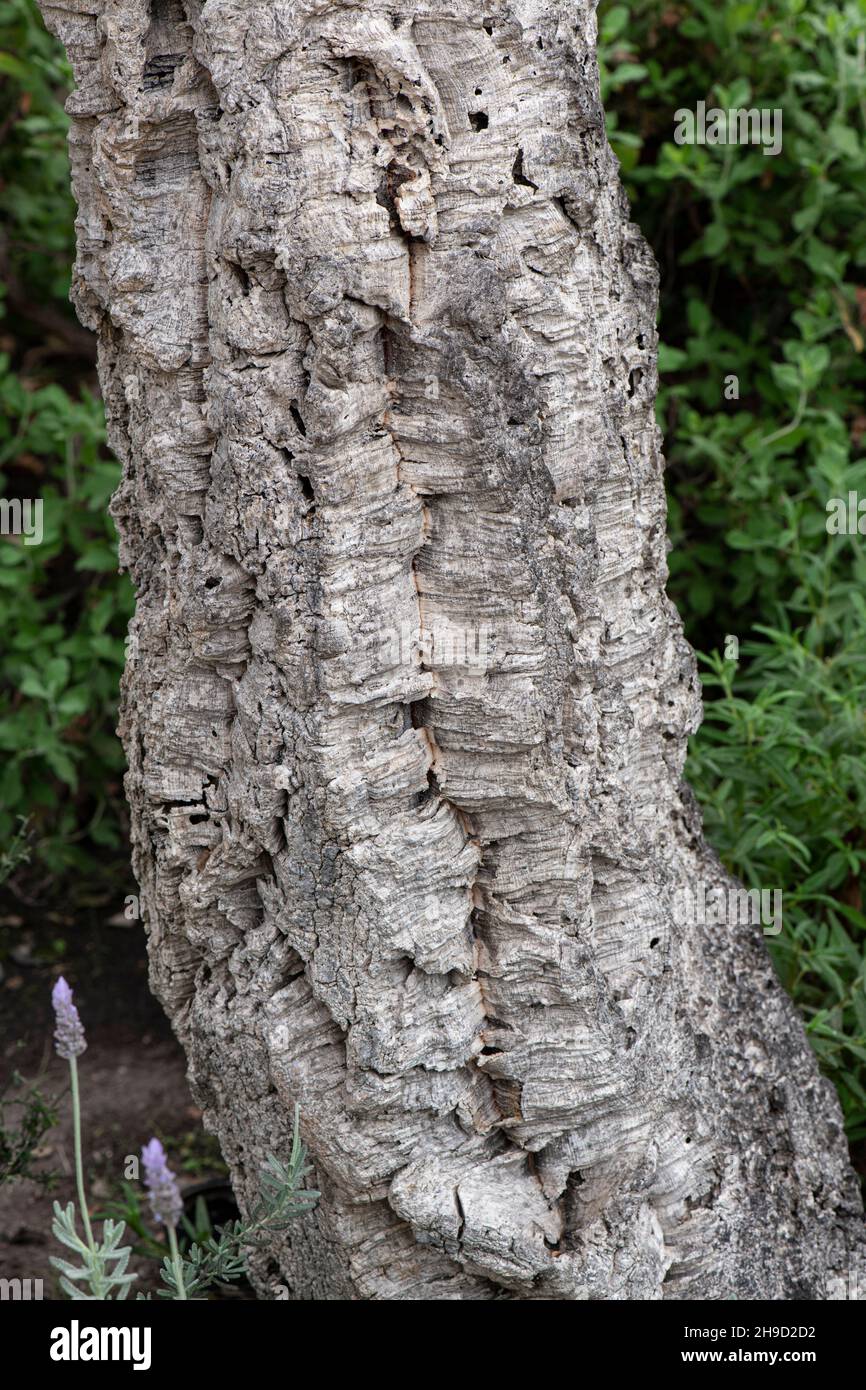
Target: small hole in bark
[(306, 488), (212, 583), (539, 43), (634, 380), (654, 942), (641, 340), (479, 120), (488, 26), (197, 820), (296, 416), (490, 1052), (478, 91), (688, 1138), (416, 719)]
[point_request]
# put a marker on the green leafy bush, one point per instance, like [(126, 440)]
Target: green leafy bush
[(26, 1116), (763, 264), (63, 607)]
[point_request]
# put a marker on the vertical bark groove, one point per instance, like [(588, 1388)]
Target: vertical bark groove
[(377, 343)]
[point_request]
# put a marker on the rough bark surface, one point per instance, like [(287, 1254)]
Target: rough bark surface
[(406, 704)]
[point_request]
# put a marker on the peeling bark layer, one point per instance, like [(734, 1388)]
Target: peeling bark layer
[(406, 704)]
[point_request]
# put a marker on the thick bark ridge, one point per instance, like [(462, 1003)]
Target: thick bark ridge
[(406, 704)]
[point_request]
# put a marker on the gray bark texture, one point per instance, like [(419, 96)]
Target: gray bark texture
[(406, 704)]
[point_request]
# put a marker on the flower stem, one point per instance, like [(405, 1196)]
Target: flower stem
[(175, 1260), (76, 1136)]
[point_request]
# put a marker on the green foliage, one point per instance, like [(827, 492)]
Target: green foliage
[(14, 851), (36, 205), (221, 1258), (102, 1272), (26, 1116), (130, 1209), (763, 263), (63, 607)]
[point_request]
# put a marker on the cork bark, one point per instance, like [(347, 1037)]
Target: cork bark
[(406, 704)]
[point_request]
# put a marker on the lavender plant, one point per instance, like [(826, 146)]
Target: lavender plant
[(222, 1258), (166, 1204), (219, 1258), (102, 1271)]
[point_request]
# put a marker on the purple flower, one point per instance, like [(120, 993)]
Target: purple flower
[(69, 1033), (165, 1199)]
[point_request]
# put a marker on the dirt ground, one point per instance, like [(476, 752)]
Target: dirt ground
[(132, 1077)]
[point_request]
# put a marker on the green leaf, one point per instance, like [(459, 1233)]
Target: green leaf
[(671, 359)]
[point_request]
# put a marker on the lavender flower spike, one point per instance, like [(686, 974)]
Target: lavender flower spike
[(165, 1199), (69, 1032)]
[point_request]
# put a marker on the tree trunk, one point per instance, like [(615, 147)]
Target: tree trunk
[(406, 704)]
